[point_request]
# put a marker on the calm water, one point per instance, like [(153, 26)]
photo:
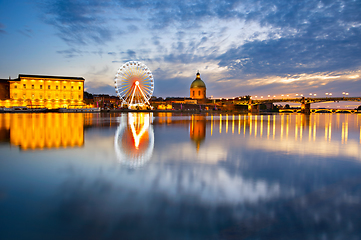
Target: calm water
[(144, 176)]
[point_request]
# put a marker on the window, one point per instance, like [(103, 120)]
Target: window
[(24, 96), (72, 87), (32, 96), (79, 88), (41, 86), (199, 93), (56, 96), (48, 96), (79, 97), (16, 86), (32, 86), (56, 87), (48, 86), (41, 96), (24, 86), (64, 87), (193, 94), (64, 97), (16, 95)]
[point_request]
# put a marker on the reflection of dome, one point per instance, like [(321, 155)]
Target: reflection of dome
[(198, 130), (198, 83)]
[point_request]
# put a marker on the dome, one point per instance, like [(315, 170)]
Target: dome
[(198, 83)]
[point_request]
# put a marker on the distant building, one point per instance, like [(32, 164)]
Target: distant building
[(198, 89), (106, 101), (42, 91)]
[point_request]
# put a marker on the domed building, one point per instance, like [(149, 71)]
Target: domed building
[(198, 89)]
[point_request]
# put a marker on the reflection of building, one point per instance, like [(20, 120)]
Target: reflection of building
[(198, 89), (39, 131), (198, 130), (42, 91)]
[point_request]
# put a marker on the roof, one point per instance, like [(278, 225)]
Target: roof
[(8, 79), (198, 83), (44, 76)]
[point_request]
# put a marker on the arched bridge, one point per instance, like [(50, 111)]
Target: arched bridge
[(305, 102)]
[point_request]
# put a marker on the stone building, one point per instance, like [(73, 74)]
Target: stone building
[(42, 91)]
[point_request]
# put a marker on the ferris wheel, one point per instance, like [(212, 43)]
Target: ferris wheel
[(134, 84)]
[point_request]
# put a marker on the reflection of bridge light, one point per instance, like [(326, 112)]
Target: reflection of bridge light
[(261, 132), (287, 127), (220, 123), (226, 123), (233, 124)]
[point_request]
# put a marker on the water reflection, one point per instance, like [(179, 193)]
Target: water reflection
[(198, 129), (134, 139), (43, 130), (208, 177), (334, 133)]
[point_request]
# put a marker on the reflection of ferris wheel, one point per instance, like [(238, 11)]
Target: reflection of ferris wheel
[(134, 139), (134, 84)]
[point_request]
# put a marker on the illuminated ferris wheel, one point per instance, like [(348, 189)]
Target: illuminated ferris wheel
[(134, 84)]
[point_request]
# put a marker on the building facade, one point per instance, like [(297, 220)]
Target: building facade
[(42, 91), (198, 89)]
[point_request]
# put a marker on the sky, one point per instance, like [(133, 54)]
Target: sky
[(247, 47)]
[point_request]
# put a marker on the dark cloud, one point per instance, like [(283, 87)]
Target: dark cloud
[(79, 22), (131, 54)]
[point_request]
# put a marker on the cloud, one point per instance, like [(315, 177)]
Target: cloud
[(241, 40), (79, 22), (70, 53)]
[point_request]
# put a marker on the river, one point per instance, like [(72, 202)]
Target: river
[(180, 176)]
